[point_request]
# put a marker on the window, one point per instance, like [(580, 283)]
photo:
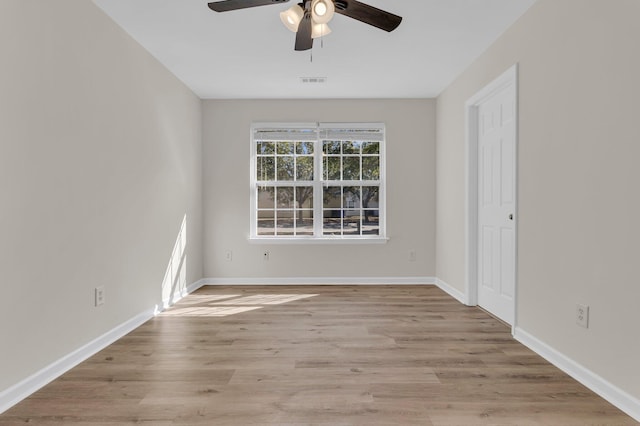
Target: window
[(317, 181)]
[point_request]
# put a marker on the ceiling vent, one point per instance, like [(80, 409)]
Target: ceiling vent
[(320, 80)]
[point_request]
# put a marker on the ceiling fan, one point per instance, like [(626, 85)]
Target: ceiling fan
[(309, 19)]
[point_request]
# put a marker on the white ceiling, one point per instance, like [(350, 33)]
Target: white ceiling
[(249, 53)]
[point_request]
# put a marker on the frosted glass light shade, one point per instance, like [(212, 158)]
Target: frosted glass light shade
[(319, 30), (322, 11), (291, 17)]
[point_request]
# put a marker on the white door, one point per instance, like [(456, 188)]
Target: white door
[(496, 203)]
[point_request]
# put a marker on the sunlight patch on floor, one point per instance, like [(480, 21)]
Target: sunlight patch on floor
[(265, 299), (222, 305), (209, 311), (197, 299)]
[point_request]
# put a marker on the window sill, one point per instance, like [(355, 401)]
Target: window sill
[(325, 240)]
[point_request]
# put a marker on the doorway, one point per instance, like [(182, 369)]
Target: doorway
[(491, 120)]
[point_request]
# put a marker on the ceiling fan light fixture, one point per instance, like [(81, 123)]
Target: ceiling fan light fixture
[(291, 17), (320, 30), (322, 11)]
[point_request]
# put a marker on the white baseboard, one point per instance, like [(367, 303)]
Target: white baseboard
[(184, 292), (16, 393), (453, 292), (602, 387), (194, 286), (26, 387), (322, 281)]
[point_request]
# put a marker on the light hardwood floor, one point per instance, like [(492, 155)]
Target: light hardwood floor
[(324, 355)]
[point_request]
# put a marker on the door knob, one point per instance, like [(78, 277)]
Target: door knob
[(511, 216)]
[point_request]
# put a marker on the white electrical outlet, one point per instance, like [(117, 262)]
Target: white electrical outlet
[(99, 296), (265, 255), (228, 255), (582, 315), (412, 255)]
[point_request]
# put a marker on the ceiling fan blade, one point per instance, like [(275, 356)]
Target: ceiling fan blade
[(368, 14), (227, 5), (303, 36)]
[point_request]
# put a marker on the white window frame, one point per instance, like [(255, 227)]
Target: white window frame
[(318, 185)]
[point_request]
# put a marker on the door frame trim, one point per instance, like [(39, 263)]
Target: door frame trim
[(509, 77)]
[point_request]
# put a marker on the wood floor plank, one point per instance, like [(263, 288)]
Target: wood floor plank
[(343, 376), (321, 355)]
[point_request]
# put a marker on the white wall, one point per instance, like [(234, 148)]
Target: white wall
[(410, 126), (578, 178), (99, 162)]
